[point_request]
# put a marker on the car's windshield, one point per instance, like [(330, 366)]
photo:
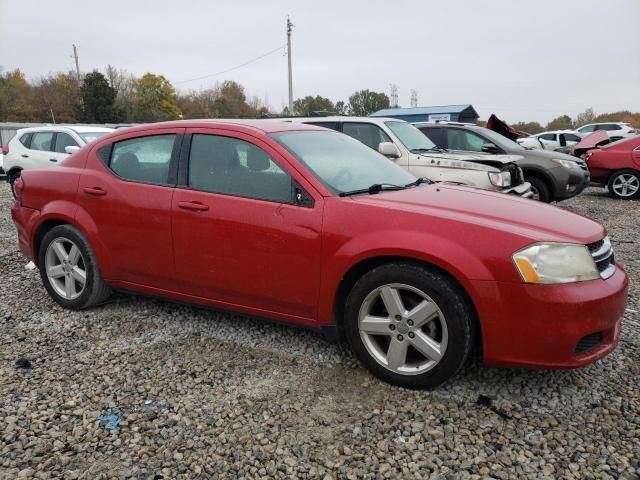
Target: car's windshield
[(410, 136), (341, 163), (501, 141), (91, 136)]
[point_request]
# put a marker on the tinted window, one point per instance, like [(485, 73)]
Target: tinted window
[(228, 165), (587, 129), (41, 141), (571, 137), (331, 125), (436, 135), (64, 140), (144, 159), (370, 135), (458, 139), (340, 162), (608, 127), (24, 139), (547, 136)]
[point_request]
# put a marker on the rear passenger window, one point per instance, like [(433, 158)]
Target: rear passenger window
[(42, 141), (144, 159), (64, 140), (231, 166), (371, 135)]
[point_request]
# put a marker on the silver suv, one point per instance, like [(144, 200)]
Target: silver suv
[(409, 148)]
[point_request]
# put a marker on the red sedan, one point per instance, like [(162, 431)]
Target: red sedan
[(306, 225), (617, 165)]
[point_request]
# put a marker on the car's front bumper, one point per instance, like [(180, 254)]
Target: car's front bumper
[(523, 190), (576, 181), (550, 326)]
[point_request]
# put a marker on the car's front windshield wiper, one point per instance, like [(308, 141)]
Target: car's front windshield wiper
[(432, 149), (373, 189), (418, 181), (379, 187)]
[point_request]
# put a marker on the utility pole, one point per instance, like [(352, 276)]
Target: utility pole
[(289, 29), (75, 56)]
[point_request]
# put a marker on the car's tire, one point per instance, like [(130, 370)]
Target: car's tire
[(624, 184), (540, 189), (12, 176), (69, 269), (394, 350)]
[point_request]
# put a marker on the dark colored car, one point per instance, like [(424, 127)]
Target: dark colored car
[(309, 226), (617, 166), (553, 176)]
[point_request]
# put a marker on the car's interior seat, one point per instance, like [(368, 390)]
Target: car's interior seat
[(263, 182), (127, 165)]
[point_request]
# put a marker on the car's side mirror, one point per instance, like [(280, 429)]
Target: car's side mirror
[(490, 148), (71, 149), (388, 149)]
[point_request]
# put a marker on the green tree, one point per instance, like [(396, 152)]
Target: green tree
[(305, 106), (98, 98), (342, 108), (57, 98), (529, 127), (231, 102), (365, 102), (154, 99), (563, 122), (16, 98)]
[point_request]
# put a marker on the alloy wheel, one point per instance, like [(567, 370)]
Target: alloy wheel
[(403, 329), (65, 268), (626, 185)]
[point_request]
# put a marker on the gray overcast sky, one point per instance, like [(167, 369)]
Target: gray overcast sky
[(521, 62)]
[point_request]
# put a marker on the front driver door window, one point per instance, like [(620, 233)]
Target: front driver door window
[(238, 235)]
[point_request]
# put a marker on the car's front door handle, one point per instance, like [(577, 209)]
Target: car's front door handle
[(53, 160), (193, 206), (24, 155), (97, 191)]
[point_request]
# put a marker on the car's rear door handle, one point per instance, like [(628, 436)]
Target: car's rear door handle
[(193, 206), (24, 155), (53, 160), (97, 191)]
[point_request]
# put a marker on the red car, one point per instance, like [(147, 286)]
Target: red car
[(617, 165), (309, 226)]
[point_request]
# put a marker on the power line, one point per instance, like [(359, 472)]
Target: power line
[(233, 68)]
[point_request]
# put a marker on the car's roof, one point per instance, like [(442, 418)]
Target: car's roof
[(555, 131), (62, 128), (265, 126), (341, 118), (606, 123)]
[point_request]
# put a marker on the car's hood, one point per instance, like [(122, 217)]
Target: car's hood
[(533, 220), (549, 154)]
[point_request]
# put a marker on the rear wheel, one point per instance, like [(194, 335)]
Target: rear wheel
[(624, 184), (409, 324), (540, 189), (69, 270)]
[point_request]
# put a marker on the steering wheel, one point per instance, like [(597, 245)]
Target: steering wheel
[(343, 175)]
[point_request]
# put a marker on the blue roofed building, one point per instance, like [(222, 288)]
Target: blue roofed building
[(453, 113)]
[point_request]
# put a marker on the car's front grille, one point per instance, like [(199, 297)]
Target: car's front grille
[(517, 177), (588, 342), (602, 254)]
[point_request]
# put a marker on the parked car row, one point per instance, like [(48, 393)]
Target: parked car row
[(303, 224)]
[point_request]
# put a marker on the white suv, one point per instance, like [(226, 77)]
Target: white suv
[(42, 147), (616, 130), (552, 140), (407, 146)]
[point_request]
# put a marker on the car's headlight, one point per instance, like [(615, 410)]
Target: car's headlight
[(500, 179), (555, 263), (565, 163)]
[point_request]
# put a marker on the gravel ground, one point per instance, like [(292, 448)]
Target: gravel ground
[(196, 393)]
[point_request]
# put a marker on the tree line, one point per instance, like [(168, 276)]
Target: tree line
[(565, 122), (117, 96)]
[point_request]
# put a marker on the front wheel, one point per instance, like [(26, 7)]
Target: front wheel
[(540, 189), (409, 324), (624, 184), (69, 270)]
